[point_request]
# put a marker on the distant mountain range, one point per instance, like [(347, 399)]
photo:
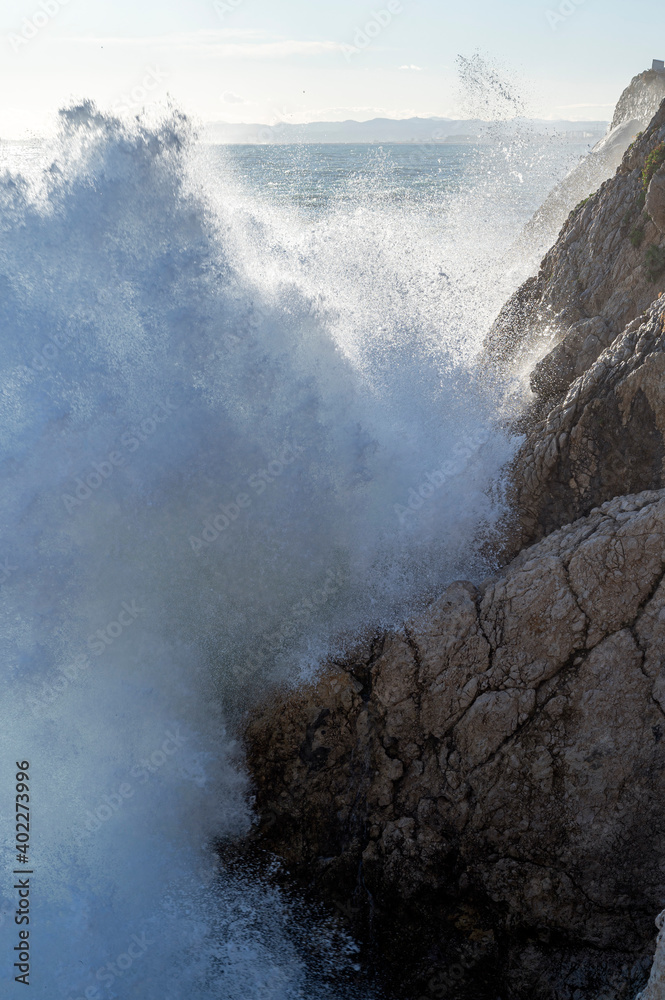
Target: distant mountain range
[(416, 130)]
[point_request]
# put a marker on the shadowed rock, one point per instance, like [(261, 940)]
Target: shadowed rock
[(604, 439), (488, 785)]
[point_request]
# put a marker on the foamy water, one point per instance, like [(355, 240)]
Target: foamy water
[(233, 437)]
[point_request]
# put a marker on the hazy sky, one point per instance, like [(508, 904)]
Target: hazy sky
[(270, 60)]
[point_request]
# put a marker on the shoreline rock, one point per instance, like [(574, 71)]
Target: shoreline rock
[(480, 796), (495, 773), (600, 275), (605, 438)]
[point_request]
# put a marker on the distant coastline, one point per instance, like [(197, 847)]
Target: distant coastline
[(403, 131)]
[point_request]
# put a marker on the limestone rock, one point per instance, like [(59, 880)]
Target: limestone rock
[(640, 99), (487, 787), (655, 203), (635, 109), (602, 273), (605, 438)]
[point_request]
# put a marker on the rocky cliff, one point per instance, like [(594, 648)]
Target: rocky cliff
[(605, 437), (634, 111), (606, 268), (640, 99), (481, 794), (487, 787), (589, 326)]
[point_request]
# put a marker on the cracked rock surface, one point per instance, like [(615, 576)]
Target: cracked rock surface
[(481, 794), (605, 438), (596, 279), (487, 786)]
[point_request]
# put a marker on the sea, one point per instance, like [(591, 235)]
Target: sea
[(243, 420)]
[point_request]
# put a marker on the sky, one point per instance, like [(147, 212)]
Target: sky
[(288, 60)]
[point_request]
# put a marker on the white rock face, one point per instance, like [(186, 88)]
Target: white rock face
[(655, 204), (636, 107), (641, 99)]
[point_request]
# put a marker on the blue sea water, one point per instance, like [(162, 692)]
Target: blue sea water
[(226, 372), (315, 178)]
